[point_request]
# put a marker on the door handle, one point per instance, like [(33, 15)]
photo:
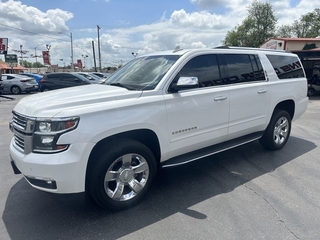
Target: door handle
[(262, 91), (220, 98)]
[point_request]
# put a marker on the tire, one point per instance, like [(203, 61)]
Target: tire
[(15, 90), (278, 131), (45, 89), (311, 91), (122, 174)]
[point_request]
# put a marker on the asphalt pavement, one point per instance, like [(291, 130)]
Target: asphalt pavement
[(244, 193)]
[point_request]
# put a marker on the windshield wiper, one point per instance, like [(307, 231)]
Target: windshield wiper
[(121, 85)]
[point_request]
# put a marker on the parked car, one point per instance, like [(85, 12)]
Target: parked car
[(37, 77), (17, 83), (1, 86), (51, 81), (103, 75), (94, 78), (313, 85)]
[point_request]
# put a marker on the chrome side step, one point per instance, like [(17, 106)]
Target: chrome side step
[(208, 151)]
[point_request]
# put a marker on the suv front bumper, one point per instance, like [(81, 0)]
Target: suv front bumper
[(62, 172)]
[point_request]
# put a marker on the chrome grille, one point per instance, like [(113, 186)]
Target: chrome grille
[(22, 128), (19, 141), (19, 121)]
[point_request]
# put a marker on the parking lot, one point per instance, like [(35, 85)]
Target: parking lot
[(244, 193)]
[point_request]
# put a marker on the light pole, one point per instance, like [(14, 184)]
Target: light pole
[(84, 61), (48, 48), (71, 41), (36, 56), (98, 28)]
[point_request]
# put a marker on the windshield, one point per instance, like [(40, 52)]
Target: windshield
[(142, 73)]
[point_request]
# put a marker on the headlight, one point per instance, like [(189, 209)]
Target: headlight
[(48, 131)]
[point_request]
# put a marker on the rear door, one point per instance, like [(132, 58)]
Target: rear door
[(249, 95)]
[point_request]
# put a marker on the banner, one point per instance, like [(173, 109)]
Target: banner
[(3, 45), (46, 57), (79, 63)]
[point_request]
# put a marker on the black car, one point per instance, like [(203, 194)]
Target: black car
[(53, 81)]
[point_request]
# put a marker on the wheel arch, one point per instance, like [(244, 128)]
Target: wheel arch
[(286, 105), (145, 136)]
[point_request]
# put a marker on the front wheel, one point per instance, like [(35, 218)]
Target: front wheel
[(122, 174), (15, 90), (278, 131)]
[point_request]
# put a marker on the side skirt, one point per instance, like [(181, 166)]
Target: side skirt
[(208, 151)]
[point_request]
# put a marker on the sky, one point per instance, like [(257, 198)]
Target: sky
[(126, 27)]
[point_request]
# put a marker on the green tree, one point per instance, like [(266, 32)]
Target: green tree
[(308, 26), (256, 28)]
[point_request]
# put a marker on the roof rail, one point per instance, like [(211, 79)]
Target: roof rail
[(249, 48)]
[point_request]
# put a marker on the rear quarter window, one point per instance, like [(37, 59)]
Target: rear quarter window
[(286, 66)]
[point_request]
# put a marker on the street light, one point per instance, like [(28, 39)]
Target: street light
[(84, 60), (134, 54), (71, 41), (36, 56), (48, 48)]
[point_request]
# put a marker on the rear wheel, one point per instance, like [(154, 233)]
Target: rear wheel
[(122, 174), (311, 92), (15, 90), (278, 131)]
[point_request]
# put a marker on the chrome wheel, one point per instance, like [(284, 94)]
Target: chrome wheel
[(126, 177), (281, 130)]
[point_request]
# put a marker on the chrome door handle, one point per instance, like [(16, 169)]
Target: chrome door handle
[(262, 91), (220, 98)]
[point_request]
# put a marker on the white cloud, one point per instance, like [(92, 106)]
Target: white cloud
[(187, 29)]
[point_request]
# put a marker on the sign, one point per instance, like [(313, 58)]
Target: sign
[(3, 45), (79, 63), (46, 57), (10, 58), (271, 45)]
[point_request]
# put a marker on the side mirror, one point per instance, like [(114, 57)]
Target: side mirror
[(185, 83)]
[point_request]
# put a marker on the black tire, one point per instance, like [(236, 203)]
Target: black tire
[(45, 89), (311, 92), (115, 181), (278, 131), (15, 90)]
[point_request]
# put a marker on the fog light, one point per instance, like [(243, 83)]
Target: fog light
[(47, 140)]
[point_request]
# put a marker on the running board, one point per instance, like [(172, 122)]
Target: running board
[(208, 151)]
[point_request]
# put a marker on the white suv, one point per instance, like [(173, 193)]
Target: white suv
[(159, 110)]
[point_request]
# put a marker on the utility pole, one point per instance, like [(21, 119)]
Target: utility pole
[(21, 54), (72, 66), (94, 57), (98, 28)]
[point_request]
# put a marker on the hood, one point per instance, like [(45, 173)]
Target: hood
[(49, 104)]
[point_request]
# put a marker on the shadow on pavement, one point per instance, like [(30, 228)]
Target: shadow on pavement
[(32, 214)]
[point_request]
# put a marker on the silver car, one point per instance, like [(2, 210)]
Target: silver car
[(16, 83), (93, 78)]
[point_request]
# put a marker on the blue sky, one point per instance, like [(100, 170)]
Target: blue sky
[(127, 26)]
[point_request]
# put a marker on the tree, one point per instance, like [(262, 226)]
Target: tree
[(308, 26), (255, 29)]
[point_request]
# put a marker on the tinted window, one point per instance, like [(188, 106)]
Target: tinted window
[(286, 66), (257, 68), (240, 68), (205, 68)]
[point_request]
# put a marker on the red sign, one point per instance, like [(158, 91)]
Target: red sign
[(79, 63), (46, 57), (3, 45)]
